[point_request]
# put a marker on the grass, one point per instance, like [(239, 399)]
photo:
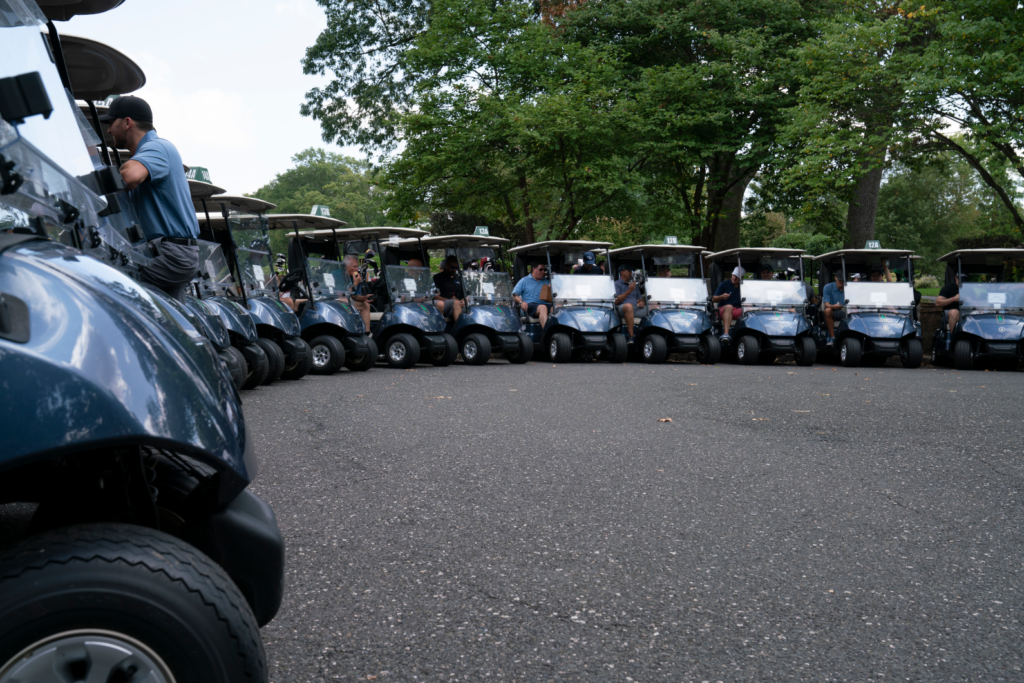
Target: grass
[(929, 291)]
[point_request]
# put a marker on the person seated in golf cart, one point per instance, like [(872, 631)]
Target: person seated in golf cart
[(833, 304), (589, 266), (361, 298), (528, 290), (627, 299), (450, 299), (665, 270), (949, 299), (727, 296)]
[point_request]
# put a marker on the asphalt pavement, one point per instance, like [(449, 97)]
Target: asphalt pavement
[(541, 522)]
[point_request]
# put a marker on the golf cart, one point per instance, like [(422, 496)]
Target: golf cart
[(676, 317), (330, 323), (146, 558), (991, 324), (776, 312), (489, 323), (881, 317), (583, 322), (242, 231)]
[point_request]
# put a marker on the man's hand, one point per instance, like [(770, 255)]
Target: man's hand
[(632, 286), (133, 173), (357, 279)]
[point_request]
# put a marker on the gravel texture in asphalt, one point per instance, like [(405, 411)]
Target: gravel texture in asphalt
[(540, 522)]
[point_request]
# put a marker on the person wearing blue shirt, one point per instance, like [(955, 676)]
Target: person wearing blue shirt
[(158, 189), (527, 293), (727, 296), (833, 301)]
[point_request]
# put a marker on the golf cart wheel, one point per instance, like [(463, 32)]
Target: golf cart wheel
[(850, 352), (328, 355), (620, 348), (710, 350), (654, 349), (963, 355), (363, 362), (275, 360), (116, 602), (235, 362), (257, 365), (748, 349), (302, 362), (560, 348), (476, 349), (447, 356), (806, 351), (402, 351), (523, 351)]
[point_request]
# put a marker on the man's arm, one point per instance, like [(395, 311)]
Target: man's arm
[(622, 297), (943, 301), (133, 173)]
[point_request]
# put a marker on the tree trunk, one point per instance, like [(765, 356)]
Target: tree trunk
[(860, 218), (728, 236), (726, 182)]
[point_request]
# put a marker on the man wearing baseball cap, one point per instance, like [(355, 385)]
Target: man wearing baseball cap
[(833, 301), (589, 266), (158, 190), (727, 296)]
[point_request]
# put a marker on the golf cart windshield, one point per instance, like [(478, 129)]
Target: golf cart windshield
[(252, 243), (772, 293), (487, 287), (583, 288), (466, 254), (329, 279), (869, 295), (215, 275), (683, 291), (992, 296), (408, 283)]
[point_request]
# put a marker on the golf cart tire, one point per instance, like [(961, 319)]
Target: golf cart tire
[(275, 360), (963, 355), (302, 365), (654, 349), (709, 351), (748, 350), (523, 352), (850, 351), (806, 351), (620, 348), (449, 354), (235, 362), (476, 349), (331, 352), (560, 348), (364, 362), (123, 587), (407, 356), (257, 365)]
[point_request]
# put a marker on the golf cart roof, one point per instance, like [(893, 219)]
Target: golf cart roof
[(200, 190), (363, 233), (559, 247), (232, 202), (883, 253), (98, 71), (294, 221), (659, 250), (758, 252), (441, 241), (62, 10), (982, 256)]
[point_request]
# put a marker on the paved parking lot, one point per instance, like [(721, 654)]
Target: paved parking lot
[(538, 522)]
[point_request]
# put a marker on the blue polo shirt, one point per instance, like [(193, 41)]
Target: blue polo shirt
[(623, 287), (163, 201), (529, 289), (833, 295), (727, 287)]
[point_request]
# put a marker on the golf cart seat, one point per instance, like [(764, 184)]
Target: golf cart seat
[(375, 316)]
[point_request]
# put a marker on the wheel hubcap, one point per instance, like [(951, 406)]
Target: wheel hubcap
[(469, 350), (87, 655), (397, 352), (321, 356), (648, 348), (554, 348), (842, 352), (741, 351)]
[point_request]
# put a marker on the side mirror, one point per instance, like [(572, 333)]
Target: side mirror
[(743, 299), (846, 301), (648, 297)]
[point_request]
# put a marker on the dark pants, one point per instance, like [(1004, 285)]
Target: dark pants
[(173, 268)]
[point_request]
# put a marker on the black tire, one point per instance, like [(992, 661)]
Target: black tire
[(257, 365), (748, 349), (620, 348), (850, 352), (963, 355), (402, 351), (476, 349), (132, 587), (523, 352), (299, 366), (654, 349), (328, 355), (363, 362), (447, 356), (805, 352), (560, 348), (275, 360), (235, 362), (710, 350)]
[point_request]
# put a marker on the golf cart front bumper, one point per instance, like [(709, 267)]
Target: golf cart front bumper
[(1000, 349), (595, 342), (356, 344), (684, 343), (432, 343)]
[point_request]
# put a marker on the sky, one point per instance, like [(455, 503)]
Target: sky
[(224, 79)]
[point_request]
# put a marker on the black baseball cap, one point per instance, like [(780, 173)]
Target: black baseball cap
[(128, 107), (767, 266), (625, 266)]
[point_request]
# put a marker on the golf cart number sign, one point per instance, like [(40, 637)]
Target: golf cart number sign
[(329, 280), (997, 297), (257, 272), (487, 288), (410, 284)]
